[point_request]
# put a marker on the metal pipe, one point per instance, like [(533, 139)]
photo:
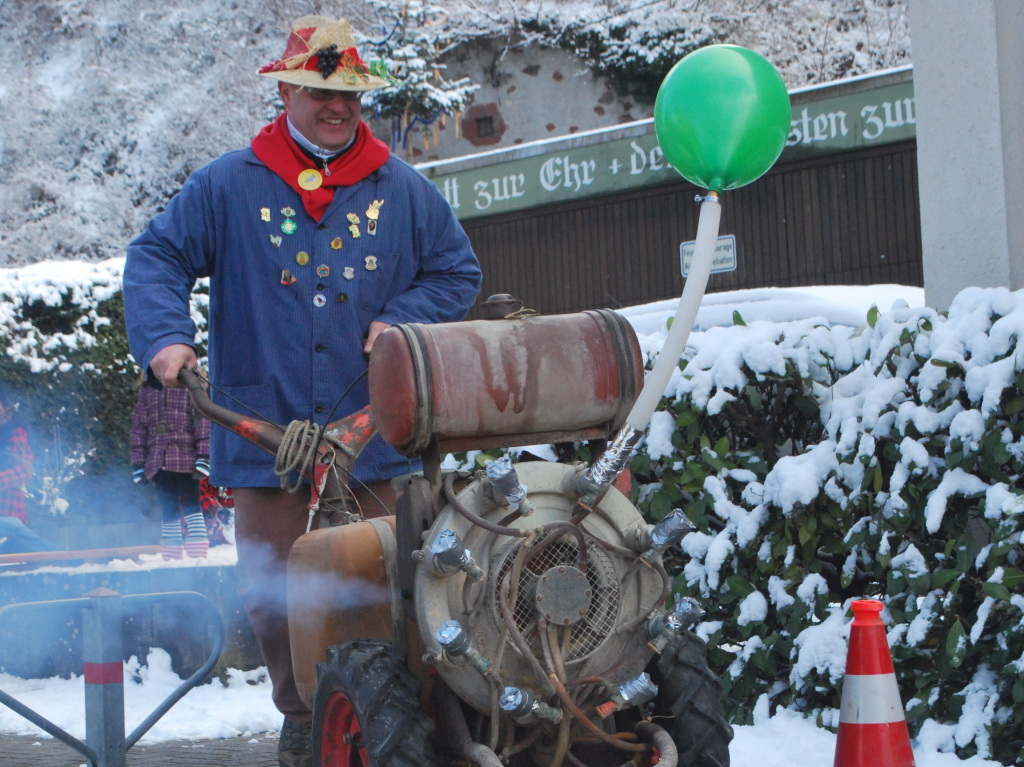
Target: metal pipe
[(649, 732), (455, 723)]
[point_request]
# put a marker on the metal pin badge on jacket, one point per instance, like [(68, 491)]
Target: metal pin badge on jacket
[(372, 214), (310, 179), (370, 263)]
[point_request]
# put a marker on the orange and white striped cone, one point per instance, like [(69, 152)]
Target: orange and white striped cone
[(872, 725)]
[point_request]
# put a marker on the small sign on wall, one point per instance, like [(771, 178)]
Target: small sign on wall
[(724, 260)]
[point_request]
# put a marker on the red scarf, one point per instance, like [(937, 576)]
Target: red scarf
[(276, 149)]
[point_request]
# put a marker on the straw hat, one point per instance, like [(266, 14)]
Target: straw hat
[(321, 53)]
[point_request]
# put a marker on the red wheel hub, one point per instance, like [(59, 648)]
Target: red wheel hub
[(341, 741)]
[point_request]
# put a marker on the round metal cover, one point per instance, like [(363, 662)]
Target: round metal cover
[(563, 595)]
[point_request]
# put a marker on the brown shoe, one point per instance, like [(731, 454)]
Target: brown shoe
[(294, 749)]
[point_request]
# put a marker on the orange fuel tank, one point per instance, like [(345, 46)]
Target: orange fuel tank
[(497, 383), (338, 591)]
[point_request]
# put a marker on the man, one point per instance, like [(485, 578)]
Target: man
[(316, 240)]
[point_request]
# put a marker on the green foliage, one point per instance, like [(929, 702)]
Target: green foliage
[(915, 497), (417, 37), (67, 364), (918, 504)]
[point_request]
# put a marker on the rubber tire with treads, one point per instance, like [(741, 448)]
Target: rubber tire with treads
[(690, 700), (366, 711)]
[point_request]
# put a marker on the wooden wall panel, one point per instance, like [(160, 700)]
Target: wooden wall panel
[(851, 218)]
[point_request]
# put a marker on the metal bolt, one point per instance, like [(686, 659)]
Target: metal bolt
[(565, 621), (540, 597)]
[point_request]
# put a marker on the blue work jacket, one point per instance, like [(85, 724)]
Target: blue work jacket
[(291, 299)]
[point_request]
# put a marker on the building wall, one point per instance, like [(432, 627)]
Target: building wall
[(848, 219), (597, 219), (971, 84), (526, 94)]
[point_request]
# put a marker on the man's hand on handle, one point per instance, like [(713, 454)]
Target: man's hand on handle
[(376, 328), (168, 361)]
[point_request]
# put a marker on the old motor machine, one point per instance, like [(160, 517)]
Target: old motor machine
[(520, 613), (515, 614)]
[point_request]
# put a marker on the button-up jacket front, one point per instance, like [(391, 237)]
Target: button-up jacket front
[(291, 299)]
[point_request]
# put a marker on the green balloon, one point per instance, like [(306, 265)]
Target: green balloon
[(722, 116)]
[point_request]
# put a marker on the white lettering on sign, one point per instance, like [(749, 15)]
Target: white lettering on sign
[(451, 191), (896, 115), (822, 127), (641, 160), (724, 259), (560, 171), (499, 189)]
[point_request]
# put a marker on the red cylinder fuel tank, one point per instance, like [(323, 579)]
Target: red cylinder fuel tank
[(499, 383)]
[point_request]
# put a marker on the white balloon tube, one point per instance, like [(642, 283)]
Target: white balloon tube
[(599, 476), (686, 313)]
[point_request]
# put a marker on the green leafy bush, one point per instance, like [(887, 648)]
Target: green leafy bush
[(821, 464), (879, 463), (66, 362)]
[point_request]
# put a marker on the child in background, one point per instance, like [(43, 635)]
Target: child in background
[(217, 504), (15, 472), (170, 448)]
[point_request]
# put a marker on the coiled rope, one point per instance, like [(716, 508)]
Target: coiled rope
[(296, 452)]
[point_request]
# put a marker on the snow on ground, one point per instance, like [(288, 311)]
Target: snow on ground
[(242, 705)]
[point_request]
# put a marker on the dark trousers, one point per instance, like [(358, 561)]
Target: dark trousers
[(176, 494), (267, 521)]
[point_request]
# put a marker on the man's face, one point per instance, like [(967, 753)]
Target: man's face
[(328, 118)]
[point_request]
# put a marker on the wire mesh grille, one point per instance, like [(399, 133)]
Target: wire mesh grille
[(587, 634)]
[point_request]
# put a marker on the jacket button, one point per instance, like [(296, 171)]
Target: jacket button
[(319, 347), (318, 409)]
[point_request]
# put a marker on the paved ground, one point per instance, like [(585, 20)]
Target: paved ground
[(255, 751)]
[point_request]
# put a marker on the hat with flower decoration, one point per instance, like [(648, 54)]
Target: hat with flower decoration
[(321, 53)]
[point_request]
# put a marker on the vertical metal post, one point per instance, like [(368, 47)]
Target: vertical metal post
[(103, 651)]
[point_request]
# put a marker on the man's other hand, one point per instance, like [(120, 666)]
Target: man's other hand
[(376, 328)]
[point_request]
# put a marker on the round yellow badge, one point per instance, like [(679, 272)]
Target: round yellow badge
[(310, 179)]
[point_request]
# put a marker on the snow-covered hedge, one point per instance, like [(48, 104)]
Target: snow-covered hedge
[(821, 463), (66, 362), (825, 464)]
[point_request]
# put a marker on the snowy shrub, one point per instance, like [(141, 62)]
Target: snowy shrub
[(823, 465), (66, 361)]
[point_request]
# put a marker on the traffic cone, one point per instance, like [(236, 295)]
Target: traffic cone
[(872, 726)]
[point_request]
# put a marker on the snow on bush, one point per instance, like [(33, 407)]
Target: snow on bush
[(821, 463), (826, 464)]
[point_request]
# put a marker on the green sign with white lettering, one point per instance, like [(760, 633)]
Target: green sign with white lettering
[(826, 120)]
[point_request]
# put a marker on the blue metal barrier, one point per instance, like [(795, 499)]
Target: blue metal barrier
[(103, 649)]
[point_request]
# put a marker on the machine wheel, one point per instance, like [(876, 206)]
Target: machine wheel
[(366, 711), (690, 697)]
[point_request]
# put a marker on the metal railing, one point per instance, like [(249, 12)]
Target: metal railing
[(103, 613)]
